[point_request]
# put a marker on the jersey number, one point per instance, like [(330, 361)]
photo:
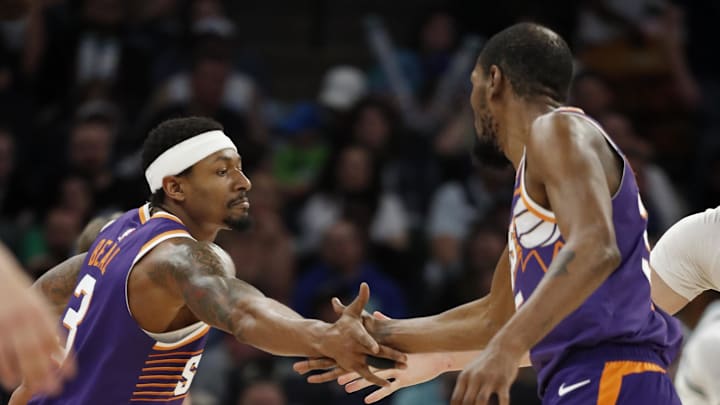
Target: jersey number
[(188, 374), (74, 318)]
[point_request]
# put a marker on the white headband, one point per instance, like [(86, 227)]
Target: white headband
[(185, 154)]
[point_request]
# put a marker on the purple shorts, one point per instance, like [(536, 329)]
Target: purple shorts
[(609, 375)]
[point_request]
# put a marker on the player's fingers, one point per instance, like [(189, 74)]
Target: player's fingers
[(503, 397), (363, 338), (380, 393), (326, 376), (356, 307), (338, 306), (362, 383), (305, 366), (379, 315), (21, 396), (397, 356), (9, 373), (460, 390), (347, 377), (368, 375)]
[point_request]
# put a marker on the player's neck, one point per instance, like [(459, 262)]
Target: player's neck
[(518, 123), (199, 231)]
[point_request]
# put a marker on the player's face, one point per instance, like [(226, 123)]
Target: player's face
[(485, 125), (218, 189)]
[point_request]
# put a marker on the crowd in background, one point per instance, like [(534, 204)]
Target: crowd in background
[(369, 177)]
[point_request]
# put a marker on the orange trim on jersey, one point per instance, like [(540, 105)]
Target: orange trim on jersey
[(175, 377), (167, 216), (162, 235), (183, 361), (536, 255), (158, 393), (158, 399), (154, 385), (163, 369), (612, 376), (178, 353), (516, 192), (203, 331), (141, 214), (534, 210), (558, 245)]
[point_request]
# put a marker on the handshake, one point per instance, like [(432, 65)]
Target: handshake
[(377, 363)]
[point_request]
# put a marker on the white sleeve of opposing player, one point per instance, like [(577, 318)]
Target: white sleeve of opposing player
[(686, 256)]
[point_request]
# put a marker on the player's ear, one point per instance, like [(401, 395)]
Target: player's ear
[(173, 187), (495, 81)]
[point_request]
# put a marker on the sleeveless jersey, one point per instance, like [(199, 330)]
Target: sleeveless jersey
[(118, 362), (620, 311)]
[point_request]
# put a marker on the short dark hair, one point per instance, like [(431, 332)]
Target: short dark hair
[(536, 60), (168, 134)]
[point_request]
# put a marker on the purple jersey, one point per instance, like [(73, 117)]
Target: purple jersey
[(118, 362), (620, 311)]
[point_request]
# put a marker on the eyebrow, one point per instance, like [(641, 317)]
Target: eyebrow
[(227, 158)]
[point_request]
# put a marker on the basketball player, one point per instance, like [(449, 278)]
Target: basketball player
[(28, 334), (697, 376), (685, 262), (574, 284), (144, 296)]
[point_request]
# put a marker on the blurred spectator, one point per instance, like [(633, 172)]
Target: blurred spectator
[(592, 93), (660, 197), (46, 247), (341, 87), (343, 266), (405, 159), (351, 189), (87, 55), (201, 92), (298, 160), (262, 392), (15, 195), (90, 151), (455, 206)]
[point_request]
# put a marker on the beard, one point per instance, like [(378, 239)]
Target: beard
[(238, 224), (486, 150)]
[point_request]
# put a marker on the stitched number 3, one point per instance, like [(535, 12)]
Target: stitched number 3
[(74, 318)]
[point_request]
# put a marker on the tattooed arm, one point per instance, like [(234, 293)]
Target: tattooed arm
[(58, 283), (201, 275)]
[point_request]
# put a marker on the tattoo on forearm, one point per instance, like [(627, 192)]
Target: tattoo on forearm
[(200, 274), (559, 265)]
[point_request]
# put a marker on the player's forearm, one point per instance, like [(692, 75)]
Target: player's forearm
[(275, 328), (467, 327), (573, 276)]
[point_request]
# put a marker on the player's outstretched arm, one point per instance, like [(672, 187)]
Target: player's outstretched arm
[(202, 276), (561, 151), (28, 333), (467, 327)]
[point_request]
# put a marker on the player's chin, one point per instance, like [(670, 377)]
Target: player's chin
[(238, 222)]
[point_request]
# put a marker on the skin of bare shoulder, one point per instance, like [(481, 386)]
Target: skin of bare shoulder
[(182, 281), (566, 139)]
